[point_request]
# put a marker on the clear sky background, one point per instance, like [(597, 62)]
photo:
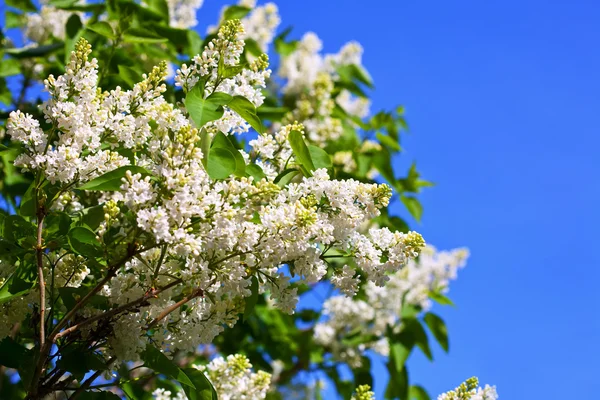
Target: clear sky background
[(503, 100)]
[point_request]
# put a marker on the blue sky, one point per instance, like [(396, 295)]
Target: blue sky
[(503, 100)]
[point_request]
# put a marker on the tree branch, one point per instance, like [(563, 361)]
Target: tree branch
[(39, 250)]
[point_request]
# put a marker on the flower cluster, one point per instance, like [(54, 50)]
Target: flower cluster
[(311, 77), (232, 379), (469, 390), (182, 13), (204, 239), (49, 23), (382, 305)]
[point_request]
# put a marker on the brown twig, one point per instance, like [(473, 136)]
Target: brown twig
[(148, 295), (171, 308)]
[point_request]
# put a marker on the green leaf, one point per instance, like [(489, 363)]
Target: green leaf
[(83, 241), (271, 113), (413, 205), (246, 110), (71, 296), (38, 51), (57, 225), (8, 291), (203, 110), (301, 152), (78, 362), (73, 25), (417, 392), (438, 328), (282, 47), (177, 37), (397, 384), (352, 72), (440, 299), (99, 395), (17, 230), (155, 359), (5, 94), (14, 20), (221, 163), (223, 142), (129, 75), (235, 12), (9, 67), (388, 141), (204, 390), (11, 352), (285, 177), (398, 355), (320, 157), (111, 181), (27, 205), (25, 5), (255, 171), (252, 299), (102, 28), (414, 328), (140, 35)]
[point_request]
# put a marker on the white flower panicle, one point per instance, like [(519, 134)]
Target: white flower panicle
[(232, 379), (182, 13), (410, 285), (50, 22), (469, 390)]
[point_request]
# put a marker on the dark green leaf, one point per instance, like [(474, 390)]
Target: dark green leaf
[(154, 359), (438, 328), (83, 241), (99, 395), (73, 25), (8, 293), (111, 181), (11, 352), (38, 51), (203, 390), (71, 296), (301, 152), (78, 362), (252, 299)]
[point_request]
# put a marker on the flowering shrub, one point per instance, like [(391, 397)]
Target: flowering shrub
[(167, 209)]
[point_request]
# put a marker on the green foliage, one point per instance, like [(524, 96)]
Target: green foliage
[(119, 32)]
